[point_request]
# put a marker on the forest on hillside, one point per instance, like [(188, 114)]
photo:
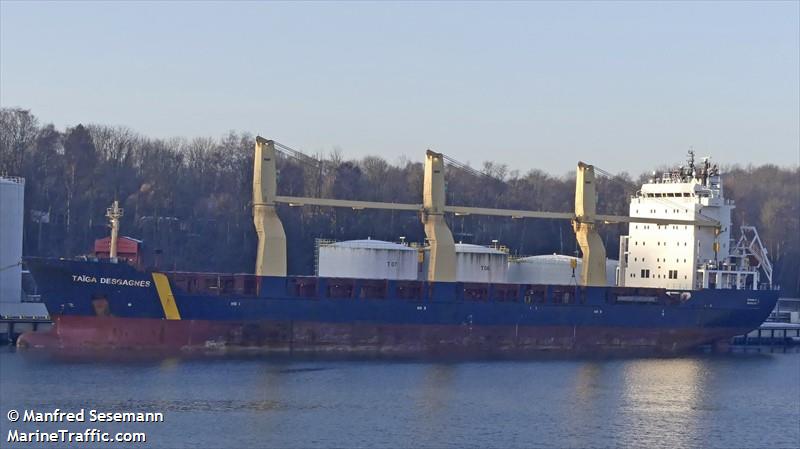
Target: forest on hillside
[(189, 200)]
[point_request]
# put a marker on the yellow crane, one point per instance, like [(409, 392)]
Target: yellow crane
[(271, 254)]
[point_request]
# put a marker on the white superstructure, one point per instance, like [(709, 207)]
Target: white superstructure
[(684, 256), (367, 259)]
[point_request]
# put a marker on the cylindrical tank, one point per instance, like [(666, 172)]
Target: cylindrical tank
[(476, 263), (367, 259), (12, 195), (553, 269)]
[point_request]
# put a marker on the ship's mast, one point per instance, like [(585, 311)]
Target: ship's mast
[(585, 227), (114, 213), (442, 266), (271, 251)]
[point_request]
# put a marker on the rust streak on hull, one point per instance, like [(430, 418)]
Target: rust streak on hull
[(79, 332)]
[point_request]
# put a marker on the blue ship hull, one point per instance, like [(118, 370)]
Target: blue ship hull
[(104, 305)]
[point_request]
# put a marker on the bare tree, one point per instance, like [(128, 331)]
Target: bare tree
[(18, 129)]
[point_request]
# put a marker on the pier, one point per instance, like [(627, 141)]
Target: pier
[(13, 327), (771, 333)]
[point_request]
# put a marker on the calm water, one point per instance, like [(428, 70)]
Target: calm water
[(732, 400)]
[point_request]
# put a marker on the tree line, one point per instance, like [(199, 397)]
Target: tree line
[(189, 200)]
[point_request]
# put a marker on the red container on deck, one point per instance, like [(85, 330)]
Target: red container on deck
[(128, 249)]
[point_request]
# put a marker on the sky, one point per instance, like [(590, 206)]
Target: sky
[(627, 86)]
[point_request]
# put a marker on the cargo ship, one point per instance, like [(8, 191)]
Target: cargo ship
[(680, 282)]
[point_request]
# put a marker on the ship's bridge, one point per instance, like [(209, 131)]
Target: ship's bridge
[(688, 257), (684, 192)]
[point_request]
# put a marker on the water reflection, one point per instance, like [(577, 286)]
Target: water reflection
[(588, 385), (740, 400), (578, 415), (662, 402), (170, 364), (436, 389), (433, 399)]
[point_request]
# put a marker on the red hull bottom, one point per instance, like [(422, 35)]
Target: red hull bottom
[(77, 332)]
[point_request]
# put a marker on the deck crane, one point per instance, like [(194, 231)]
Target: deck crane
[(271, 255)]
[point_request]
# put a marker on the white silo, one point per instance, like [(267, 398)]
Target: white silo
[(367, 259), (546, 269), (555, 269), (12, 196), (12, 200), (476, 263)]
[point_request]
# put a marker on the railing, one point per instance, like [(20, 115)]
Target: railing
[(32, 298), (14, 179), (770, 335)]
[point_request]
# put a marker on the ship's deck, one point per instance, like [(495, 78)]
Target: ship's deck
[(248, 285)]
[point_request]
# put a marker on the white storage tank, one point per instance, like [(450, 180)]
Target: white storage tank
[(553, 269), (367, 259), (12, 194), (476, 263)]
